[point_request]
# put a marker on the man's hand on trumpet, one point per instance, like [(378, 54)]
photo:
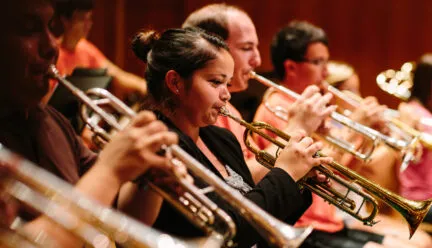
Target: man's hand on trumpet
[(370, 114), (309, 111), (135, 149)]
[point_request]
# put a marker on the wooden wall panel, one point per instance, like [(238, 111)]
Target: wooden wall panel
[(372, 35)]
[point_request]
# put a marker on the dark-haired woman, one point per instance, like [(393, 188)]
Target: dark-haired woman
[(188, 72)]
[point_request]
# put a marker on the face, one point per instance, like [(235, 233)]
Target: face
[(79, 25), (313, 70), (243, 44), (208, 91), (28, 48)]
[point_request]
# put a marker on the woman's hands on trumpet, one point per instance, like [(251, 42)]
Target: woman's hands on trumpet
[(297, 158)]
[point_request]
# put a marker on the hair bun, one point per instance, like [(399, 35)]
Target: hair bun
[(143, 42)]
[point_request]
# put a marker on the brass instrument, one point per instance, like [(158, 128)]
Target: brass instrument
[(413, 211), (274, 231), (95, 224), (415, 136), (373, 135), (397, 83)]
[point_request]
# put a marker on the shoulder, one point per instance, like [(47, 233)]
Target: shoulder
[(86, 46)]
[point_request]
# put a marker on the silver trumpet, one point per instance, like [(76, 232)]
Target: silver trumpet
[(95, 224), (374, 136), (194, 204), (412, 137)]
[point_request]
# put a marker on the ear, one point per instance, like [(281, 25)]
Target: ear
[(174, 82), (290, 66)]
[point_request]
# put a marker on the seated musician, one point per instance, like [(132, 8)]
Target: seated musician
[(43, 136), (415, 181), (188, 85), (300, 54), (73, 22)]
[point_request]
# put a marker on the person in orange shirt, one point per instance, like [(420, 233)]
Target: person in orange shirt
[(73, 23), (300, 54)]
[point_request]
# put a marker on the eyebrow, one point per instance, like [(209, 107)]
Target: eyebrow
[(247, 43), (218, 74)]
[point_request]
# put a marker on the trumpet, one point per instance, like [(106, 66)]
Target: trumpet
[(61, 203), (276, 232), (399, 84), (374, 136), (394, 124), (413, 211)]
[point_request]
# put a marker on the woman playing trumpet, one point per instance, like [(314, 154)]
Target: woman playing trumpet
[(188, 72)]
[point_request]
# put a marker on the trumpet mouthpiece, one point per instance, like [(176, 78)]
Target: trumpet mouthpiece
[(252, 74), (53, 72), (223, 111)]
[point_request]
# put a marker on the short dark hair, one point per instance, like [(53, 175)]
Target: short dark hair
[(66, 8), (422, 80), (212, 18), (182, 50), (292, 42)]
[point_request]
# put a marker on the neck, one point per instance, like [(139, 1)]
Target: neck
[(182, 121), (69, 42)]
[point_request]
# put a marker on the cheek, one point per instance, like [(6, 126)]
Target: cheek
[(16, 56)]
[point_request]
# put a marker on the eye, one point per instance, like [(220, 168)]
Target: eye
[(216, 82), (30, 27), (246, 48)]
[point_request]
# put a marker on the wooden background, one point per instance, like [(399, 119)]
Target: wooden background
[(372, 35)]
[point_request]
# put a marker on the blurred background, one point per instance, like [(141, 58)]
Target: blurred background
[(371, 35)]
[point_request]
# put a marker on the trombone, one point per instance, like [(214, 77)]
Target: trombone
[(95, 224), (373, 135), (413, 211), (276, 232)]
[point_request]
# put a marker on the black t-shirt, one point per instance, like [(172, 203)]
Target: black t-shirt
[(277, 193)]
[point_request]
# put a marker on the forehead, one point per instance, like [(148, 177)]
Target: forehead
[(241, 28), (222, 64), (317, 50)]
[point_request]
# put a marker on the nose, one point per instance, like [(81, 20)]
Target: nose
[(48, 48), (225, 95), (325, 72), (256, 58)]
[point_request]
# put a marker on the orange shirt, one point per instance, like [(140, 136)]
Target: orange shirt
[(85, 55), (321, 215), (234, 127)]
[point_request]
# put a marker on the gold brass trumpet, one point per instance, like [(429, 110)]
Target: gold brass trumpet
[(61, 203), (413, 211), (195, 204)]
